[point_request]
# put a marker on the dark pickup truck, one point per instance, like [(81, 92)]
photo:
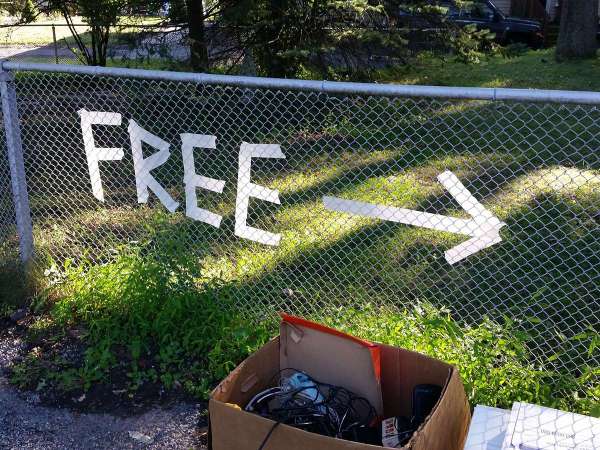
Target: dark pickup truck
[(485, 15)]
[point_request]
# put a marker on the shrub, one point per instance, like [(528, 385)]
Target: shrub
[(493, 359), (150, 311), (149, 308)]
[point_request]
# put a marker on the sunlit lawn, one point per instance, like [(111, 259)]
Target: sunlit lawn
[(535, 69), (535, 166), (41, 33)]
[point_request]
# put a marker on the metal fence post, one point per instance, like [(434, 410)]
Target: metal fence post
[(17, 167), (55, 43)]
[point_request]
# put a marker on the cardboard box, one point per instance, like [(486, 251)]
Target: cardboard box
[(401, 370)]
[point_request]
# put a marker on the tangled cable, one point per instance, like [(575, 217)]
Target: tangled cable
[(300, 401)]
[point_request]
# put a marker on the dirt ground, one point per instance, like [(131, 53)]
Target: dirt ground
[(27, 423)]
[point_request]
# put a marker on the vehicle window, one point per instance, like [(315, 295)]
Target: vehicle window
[(475, 10)]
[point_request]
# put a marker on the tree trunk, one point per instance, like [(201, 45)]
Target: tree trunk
[(273, 39), (103, 45), (578, 27), (197, 36)]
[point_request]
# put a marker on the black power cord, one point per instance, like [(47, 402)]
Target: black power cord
[(300, 401), (268, 436)]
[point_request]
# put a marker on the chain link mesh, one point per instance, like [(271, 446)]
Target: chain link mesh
[(534, 166), (35, 43), (130, 45)]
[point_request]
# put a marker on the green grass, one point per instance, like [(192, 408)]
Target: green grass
[(534, 69), (533, 165), (37, 35), (42, 35), (136, 300), (147, 314), (152, 314), (493, 359)]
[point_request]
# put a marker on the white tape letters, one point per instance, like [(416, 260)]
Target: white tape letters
[(142, 166), (192, 180), (247, 189), (95, 154)]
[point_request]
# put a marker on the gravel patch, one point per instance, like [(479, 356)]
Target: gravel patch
[(26, 424)]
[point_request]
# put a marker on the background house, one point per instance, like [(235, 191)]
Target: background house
[(532, 8)]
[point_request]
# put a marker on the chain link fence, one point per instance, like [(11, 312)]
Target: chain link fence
[(485, 202), (129, 45)]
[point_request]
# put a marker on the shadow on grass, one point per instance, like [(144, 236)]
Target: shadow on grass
[(15, 291), (536, 272), (543, 274)]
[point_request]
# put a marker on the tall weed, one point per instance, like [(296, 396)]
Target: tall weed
[(494, 360), (150, 311), (149, 308)]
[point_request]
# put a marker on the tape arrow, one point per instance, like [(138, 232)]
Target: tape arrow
[(483, 227)]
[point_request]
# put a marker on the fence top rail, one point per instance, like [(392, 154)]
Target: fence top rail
[(330, 87)]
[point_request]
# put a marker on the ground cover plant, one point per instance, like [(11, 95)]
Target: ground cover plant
[(151, 315), (518, 320), (493, 359), (146, 316)]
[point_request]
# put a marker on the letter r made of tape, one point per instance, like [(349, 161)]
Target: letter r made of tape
[(144, 180)]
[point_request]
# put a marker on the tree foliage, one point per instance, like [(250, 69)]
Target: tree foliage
[(284, 34), (19, 8), (282, 38), (100, 15), (353, 36)]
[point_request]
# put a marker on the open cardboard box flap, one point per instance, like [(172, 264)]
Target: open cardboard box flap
[(332, 357), (401, 370)]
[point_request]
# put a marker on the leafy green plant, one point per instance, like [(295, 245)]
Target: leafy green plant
[(149, 312), (471, 45), (493, 359)]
